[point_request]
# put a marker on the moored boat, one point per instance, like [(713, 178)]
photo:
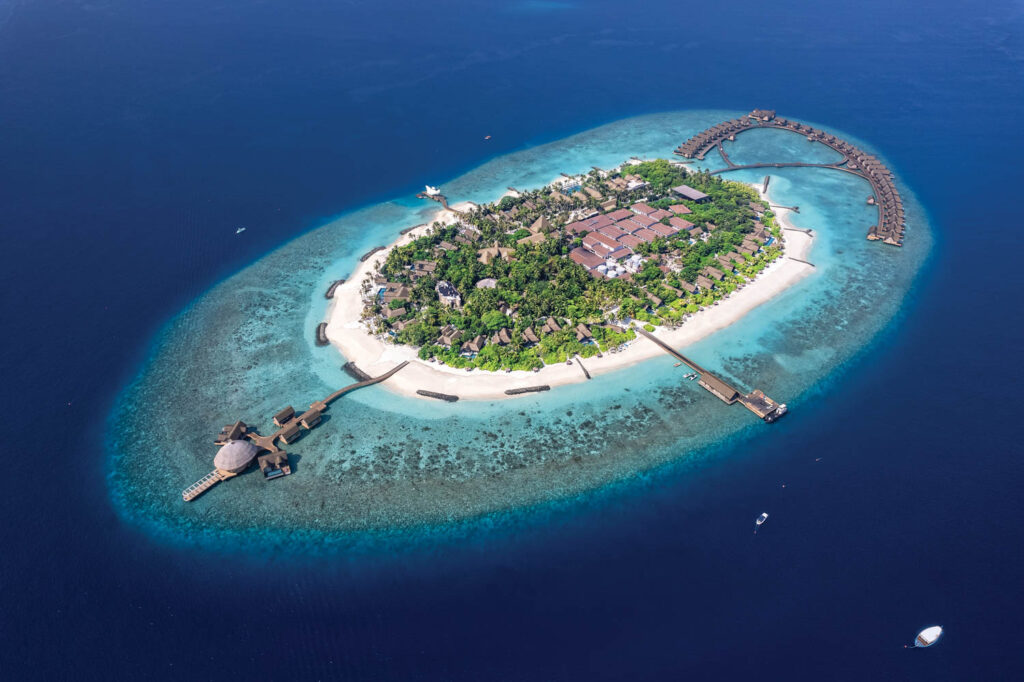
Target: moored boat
[(927, 637)]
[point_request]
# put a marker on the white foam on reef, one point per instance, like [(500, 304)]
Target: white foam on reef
[(381, 461)]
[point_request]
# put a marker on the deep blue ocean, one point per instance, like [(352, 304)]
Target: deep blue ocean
[(135, 138)]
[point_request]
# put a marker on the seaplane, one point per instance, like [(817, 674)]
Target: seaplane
[(432, 191), (240, 230)]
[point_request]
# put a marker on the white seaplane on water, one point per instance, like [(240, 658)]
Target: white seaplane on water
[(240, 230)]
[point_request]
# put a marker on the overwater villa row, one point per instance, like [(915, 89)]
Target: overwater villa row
[(891, 219), (241, 445)]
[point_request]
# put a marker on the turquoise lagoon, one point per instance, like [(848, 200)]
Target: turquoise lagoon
[(384, 466)]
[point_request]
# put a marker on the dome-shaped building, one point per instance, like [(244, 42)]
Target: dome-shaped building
[(235, 456)]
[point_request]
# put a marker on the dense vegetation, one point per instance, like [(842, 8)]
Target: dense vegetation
[(539, 281)]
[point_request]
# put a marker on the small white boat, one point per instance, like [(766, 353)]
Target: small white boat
[(927, 637), (240, 230), (761, 519), (432, 191)]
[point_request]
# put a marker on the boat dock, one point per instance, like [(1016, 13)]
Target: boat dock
[(289, 428), (756, 401), (891, 217)]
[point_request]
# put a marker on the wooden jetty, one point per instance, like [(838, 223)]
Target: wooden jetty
[(288, 426), (891, 217), (755, 401), (203, 484)]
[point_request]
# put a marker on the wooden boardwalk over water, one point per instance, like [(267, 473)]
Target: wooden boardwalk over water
[(289, 427), (755, 401), (891, 217)]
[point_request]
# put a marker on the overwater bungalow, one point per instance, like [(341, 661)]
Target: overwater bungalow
[(310, 418), (274, 464)]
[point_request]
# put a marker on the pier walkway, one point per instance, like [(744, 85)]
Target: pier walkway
[(311, 418), (203, 484), (289, 428), (891, 217), (755, 401)]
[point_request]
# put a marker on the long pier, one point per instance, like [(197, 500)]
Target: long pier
[(891, 217), (756, 401)]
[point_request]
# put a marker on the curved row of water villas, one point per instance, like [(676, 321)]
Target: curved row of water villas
[(892, 220)]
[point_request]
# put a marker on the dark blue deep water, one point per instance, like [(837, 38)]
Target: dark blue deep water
[(134, 138)]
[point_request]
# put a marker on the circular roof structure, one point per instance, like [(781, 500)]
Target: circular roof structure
[(234, 455)]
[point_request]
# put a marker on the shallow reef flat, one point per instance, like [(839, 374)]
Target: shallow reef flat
[(383, 465)]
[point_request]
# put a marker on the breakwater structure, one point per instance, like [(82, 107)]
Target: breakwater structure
[(366, 256), (755, 401), (333, 287), (527, 389), (321, 334), (241, 445), (438, 396), (891, 219)]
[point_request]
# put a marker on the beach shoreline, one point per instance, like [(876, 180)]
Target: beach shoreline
[(375, 356)]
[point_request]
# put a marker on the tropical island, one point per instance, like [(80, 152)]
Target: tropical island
[(539, 277)]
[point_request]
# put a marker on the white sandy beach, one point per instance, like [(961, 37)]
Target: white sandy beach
[(375, 356)]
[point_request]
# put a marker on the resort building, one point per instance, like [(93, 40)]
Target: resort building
[(692, 194), (485, 256), (422, 268), (448, 295), (449, 335), (235, 457), (284, 416), (587, 259), (550, 326), (274, 464), (713, 273), (502, 337), (474, 345), (310, 418)]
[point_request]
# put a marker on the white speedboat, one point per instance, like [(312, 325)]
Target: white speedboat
[(927, 637), (240, 230), (761, 519)]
